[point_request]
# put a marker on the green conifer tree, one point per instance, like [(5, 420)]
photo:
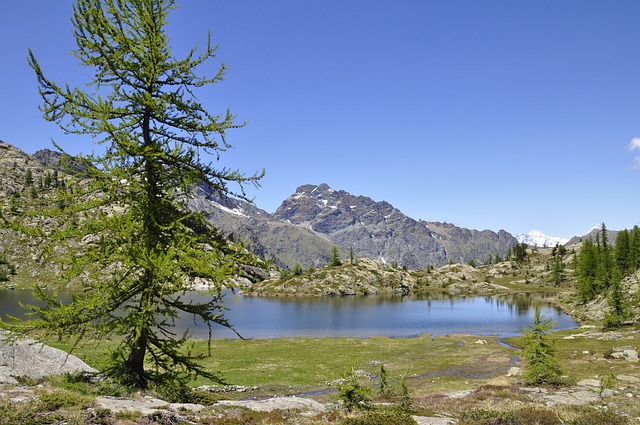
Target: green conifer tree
[(586, 270), (28, 178), (543, 365), (617, 302), (335, 257), (159, 143), (623, 252)]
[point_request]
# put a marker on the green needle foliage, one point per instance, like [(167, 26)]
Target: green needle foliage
[(142, 248), (541, 353)]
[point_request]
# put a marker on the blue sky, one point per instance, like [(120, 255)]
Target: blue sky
[(512, 115)]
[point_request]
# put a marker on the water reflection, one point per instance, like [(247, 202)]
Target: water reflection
[(396, 316)]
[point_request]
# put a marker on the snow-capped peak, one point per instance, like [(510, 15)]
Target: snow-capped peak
[(537, 238)]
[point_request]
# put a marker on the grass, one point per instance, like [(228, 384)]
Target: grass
[(429, 366), (293, 365)]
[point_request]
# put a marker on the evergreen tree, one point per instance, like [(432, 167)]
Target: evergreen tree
[(634, 247), (520, 252), (543, 365), (158, 143), (335, 257), (28, 177), (47, 180), (558, 275), (616, 299), (623, 252), (586, 270)]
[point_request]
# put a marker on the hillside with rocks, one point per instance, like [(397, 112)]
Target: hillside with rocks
[(363, 276), (302, 231), (305, 228)]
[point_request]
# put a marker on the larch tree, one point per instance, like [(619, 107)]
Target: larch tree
[(543, 364), (142, 246)]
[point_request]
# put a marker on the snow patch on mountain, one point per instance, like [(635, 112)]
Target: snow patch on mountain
[(537, 238)]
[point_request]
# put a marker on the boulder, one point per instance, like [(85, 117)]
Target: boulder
[(628, 379), (593, 383), (625, 353), (277, 403), (514, 371), (145, 405), (32, 359)]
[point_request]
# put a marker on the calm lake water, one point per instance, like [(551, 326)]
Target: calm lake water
[(359, 316)]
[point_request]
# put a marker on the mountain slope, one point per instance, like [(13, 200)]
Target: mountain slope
[(378, 230), (279, 242), (308, 224)]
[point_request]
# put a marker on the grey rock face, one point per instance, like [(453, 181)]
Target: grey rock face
[(32, 359), (54, 159), (378, 230)]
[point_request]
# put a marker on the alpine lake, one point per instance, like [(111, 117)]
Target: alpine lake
[(354, 316)]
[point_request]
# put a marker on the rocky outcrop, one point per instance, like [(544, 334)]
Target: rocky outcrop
[(364, 277), (277, 403), (59, 160), (31, 359)]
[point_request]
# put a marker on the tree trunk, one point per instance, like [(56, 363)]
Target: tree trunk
[(134, 366)]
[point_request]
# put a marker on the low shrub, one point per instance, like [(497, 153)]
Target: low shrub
[(353, 393), (537, 416), (392, 416), (60, 399)]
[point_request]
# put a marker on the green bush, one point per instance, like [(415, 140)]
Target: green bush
[(63, 399), (537, 416), (27, 413), (390, 416), (354, 394)]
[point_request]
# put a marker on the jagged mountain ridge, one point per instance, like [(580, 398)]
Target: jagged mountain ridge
[(308, 224), (378, 230)]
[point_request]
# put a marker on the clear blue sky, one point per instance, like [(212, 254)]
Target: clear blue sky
[(490, 114)]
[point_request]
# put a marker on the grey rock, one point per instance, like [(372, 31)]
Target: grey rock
[(428, 420), (59, 160), (631, 355), (628, 379), (607, 393), (29, 358), (514, 371), (575, 398), (144, 405), (593, 383), (277, 403), (628, 354)]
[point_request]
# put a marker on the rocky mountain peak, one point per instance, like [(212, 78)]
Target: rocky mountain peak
[(378, 230)]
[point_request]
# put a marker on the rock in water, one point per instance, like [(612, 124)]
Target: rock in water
[(32, 359)]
